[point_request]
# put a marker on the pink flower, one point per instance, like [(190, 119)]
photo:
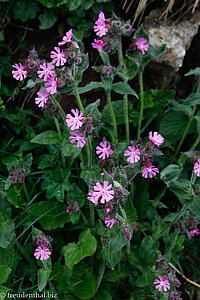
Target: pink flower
[(77, 137), (42, 98), (104, 151), (51, 85), (141, 44), (46, 71), (134, 154), (110, 222), (58, 57), (42, 253), (19, 73), (100, 28), (75, 122), (197, 168), (149, 171), (98, 44), (92, 198), (157, 138), (101, 17), (104, 193), (193, 232), (162, 283), (66, 38)]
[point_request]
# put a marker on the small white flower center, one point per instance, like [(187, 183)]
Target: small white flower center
[(42, 252)]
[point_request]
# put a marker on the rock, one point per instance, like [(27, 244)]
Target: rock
[(176, 36)]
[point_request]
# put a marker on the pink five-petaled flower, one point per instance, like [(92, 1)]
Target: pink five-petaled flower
[(104, 150), (51, 85), (156, 138), (42, 253), (75, 122), (162, 283), (19, 73), (142, 45), (58, 57), (197, 168), (42, 98), (66, 38), (101, 17), (100, 28), (149, 172), (110, 222), (47, 71), (134, 154), (104, 193), (77, 137), (98, 44), (92, 198), (193, 232)]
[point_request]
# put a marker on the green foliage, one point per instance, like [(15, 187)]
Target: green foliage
[(75, 252), (43, 276), (49, 137)]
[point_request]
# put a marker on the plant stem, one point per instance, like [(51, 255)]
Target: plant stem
[(178, 216), (55, 102), (100, 277), (78, 99), (174, 239), (141, 104), (89, 153), (113, 118), (61, 146), (184, 134), (25, 190), (122, 66)]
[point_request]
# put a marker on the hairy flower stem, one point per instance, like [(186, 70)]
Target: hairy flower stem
[(78, 98), (122, 66), (100, 277), (141, 104), (61, 111), (184, 134), (113, 118), (61, 146), (174, 239), (178, 216)]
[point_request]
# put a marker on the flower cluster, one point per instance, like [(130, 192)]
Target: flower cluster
[(17, 175), (190, 223), (42, 242), (197, 168), (76, 122), (42, 253)]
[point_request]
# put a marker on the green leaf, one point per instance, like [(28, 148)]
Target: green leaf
[(7, 230), (105, 58), (130, 212), (131, 67), (48, 3), (141, 33), (103, 294), (147, 251), (181, 188), (194, 206), (75, 194), (195, 72), (3, 289), (170, 173), (43, 276), (71, 150), (118, 107), (4, 273), (87, 4), (123, 88), (49, 137), (91, 86), (141, 195), (93, 109), (153, 53), (74, 4), (173, 125), (15, 197), (75, 252), (88, 175), (192, 99), (85, 289), (47, 19), (181, 107), (117, 240), (55, 215), (25, 11)]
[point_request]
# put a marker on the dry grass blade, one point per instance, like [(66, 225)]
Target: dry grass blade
[(195, 5), (166, 11), (187, 279), (141, 7)]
